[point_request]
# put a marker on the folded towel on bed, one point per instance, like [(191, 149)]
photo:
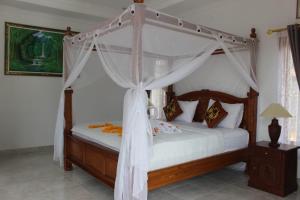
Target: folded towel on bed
[(99, 125), (108, 128), (159, 126)]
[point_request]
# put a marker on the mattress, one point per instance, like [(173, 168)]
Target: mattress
[(196, 141)]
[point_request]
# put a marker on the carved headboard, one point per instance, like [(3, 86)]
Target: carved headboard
[(249, 121)]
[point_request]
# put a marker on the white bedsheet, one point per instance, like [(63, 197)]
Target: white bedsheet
[(195, 142)]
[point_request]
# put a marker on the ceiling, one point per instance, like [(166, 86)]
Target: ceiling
[(100, 9)]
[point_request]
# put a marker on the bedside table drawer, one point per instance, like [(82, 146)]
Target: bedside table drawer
[(267, 154), (265, 166), (265, 171)]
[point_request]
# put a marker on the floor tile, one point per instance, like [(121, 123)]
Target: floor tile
[(34, 176)]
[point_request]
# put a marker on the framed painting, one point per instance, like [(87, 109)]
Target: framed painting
[(31, 50)]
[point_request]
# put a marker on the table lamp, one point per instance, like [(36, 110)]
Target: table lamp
[(274, 111)]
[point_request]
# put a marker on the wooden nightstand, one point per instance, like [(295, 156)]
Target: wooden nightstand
[(273, 169)]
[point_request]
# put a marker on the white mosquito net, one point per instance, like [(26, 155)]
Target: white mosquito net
[(217, 74), (140, 50)]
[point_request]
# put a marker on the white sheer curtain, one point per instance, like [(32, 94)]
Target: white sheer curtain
[(289, 92), (75, 59), (128, 48)]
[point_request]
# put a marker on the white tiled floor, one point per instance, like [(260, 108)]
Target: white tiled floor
[(34, 176)]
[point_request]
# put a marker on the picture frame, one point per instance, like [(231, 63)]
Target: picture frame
[(33, 51), (298, 10)]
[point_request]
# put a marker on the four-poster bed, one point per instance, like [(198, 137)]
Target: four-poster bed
[(134, 57)]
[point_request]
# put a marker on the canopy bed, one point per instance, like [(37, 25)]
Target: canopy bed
[(143, 49)]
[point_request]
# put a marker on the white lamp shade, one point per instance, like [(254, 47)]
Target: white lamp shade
[(275, 110)]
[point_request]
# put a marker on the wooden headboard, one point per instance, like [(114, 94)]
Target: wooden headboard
[(249, 121)]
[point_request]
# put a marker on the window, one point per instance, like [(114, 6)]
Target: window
[(158, 99), (289, 93)]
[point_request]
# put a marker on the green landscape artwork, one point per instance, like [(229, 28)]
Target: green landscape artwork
[(31, 50)]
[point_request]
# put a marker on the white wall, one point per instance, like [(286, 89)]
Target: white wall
[(28, 104), (239, 16)]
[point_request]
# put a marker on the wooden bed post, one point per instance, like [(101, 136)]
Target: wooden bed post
[(252, 116), (68, 127), (170, 93), (253, 33), (68, 119), (252, 102)]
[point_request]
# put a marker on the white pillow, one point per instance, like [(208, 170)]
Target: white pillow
[(234, 117), (189, 109)]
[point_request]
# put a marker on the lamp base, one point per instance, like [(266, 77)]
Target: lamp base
[(274, 145), (274, 133)]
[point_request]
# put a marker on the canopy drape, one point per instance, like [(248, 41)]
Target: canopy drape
[(142, 50), (294, 38)]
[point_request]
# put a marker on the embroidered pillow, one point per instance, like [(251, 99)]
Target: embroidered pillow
[(234, 117), (215, 114), (201, 110), (172, 110)]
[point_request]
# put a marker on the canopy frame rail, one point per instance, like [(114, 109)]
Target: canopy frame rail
[(204, 32), (166, 21), (159, 18), (126, 50)]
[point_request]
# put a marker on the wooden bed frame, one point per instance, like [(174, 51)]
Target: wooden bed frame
[(101, 161)]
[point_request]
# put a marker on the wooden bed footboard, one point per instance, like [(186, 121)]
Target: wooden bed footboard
[(101, 162)]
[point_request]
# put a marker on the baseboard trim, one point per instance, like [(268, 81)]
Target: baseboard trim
[(27, 150)]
